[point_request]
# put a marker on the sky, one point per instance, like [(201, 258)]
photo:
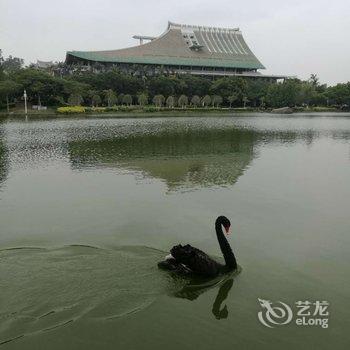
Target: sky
[(290, 37)]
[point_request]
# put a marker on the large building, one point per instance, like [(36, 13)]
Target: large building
[(183, 48)]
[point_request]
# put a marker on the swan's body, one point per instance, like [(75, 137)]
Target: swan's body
[(189, 260)]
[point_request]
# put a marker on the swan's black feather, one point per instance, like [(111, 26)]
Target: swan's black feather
[(189, 260), (195, 260)]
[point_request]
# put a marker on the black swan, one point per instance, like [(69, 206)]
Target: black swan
[(189, 260)]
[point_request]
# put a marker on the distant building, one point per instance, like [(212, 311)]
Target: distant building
[(181, 49), (44, 64)]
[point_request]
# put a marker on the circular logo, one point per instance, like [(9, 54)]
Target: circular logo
[(274, 315)]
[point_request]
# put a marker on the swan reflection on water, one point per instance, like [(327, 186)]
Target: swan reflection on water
[(195, 288)]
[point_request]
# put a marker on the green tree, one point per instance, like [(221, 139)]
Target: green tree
[(11, 64), (183, 101), (262, 101), (232, 98), (195, 101), (127, 99), (191, 85), (170, 102), (339, 94), (8, 89), (158, 100), (314, 80), (306, 93), (1, 68), (96, 100), (121, 98), (38, 87), (216, 101), (284, 94), (75, 99), (245, 100), (162, 85), (206, 101), (228, 86), (110, 97), (142, 99)]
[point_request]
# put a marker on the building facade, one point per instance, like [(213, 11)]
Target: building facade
[(182, 49)]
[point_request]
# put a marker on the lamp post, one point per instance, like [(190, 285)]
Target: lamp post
[(25, 102)]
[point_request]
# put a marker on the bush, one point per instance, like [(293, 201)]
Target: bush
[(71, 110), (150, 109)]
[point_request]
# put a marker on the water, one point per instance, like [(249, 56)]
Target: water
[(88, 207)]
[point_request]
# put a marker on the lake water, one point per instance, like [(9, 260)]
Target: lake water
[(89, 206)]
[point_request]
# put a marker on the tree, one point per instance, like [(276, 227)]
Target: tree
[(162, 85), (170, 102), (262, 101), (1, 68), (339, 94), (38, 88), (96, 100), (110, 97), (232, 98), (8, 88), (158, 100), (11, 64), (228, 86), (284, 94), (127, 99), (75, 100), (183, 101), (206, 101), (255, 90), (216, 100), (120, 98), (314, 80), (74, 87), (37, 82), (306, 93), (191, 85), (142, 99), (245, 100), (195, 100)]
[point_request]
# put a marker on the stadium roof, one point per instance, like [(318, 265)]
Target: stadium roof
[(183, 45)]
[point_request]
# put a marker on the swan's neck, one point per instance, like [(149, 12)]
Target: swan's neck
[(226, 250)]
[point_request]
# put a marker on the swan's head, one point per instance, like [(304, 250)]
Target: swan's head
[(224, 221)]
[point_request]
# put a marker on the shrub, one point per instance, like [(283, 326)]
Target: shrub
[(150, 109), (71, 110)]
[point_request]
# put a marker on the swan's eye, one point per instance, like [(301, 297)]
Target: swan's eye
[(227, 228)]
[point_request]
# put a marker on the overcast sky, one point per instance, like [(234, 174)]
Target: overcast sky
[(292, 37)]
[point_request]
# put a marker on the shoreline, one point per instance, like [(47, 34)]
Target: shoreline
[(139, 113)]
